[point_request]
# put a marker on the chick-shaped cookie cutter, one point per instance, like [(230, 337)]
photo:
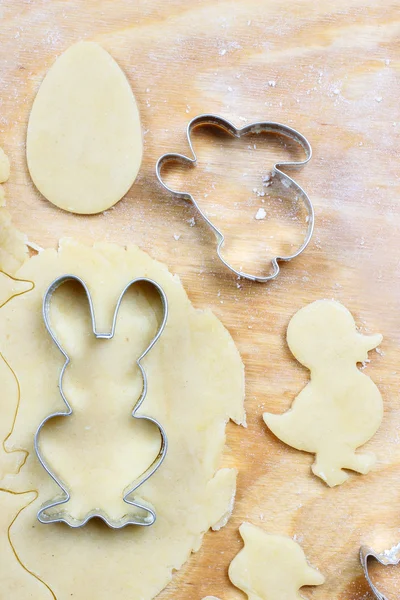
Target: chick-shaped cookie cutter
[(128, 519), (257, 127), (385, 558)]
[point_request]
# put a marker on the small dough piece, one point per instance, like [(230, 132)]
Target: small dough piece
[(4, 175), (13, 249), (84, 142), (270, 567), (4, 166), (195, 385), (341, 408)]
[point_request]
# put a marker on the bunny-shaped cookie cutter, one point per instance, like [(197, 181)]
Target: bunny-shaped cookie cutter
[(258, 127), (388, 557), (132, 519)]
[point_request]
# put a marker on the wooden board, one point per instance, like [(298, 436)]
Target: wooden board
[(336, 68)]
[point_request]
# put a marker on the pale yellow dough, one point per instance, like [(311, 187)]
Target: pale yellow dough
[(270, 567), (10, 287), (4, 166), (13, 249), (16, 582), (196, 384), (341, 408), (84, 142), (10, 461)]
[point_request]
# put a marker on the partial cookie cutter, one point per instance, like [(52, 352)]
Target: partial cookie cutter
[(259, 127), (127, 519), (388, 557)]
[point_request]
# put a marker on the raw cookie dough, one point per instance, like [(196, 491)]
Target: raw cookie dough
[(195, 384), (270, 567), (4, 166), (341, 408), (10, 462), (16, 582), (10, 287), (84, 142), (13, 249)]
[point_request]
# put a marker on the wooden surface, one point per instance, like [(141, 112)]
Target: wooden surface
[(336, 68)]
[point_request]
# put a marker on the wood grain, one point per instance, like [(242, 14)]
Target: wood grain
[(336, 68)]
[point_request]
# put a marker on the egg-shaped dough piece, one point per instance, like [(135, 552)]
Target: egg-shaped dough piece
[(84, 142)]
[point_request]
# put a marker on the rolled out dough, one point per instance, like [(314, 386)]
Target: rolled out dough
[(195, 385), (84, 142), (10, 287), (270, 567), (341, 408), (16, 581)]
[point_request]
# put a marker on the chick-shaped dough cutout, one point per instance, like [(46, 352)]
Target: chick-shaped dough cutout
[(270, 567), (340, 408)]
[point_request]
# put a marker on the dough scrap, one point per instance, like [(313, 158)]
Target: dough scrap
[(270, 567), (195, 384), (341, 408), (84, 141), (4, 166), (13, 249)]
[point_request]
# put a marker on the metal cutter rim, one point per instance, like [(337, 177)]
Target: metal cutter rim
[(127, 520), (256, 127)]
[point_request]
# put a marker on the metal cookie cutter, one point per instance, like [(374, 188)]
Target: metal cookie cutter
[(259, 127), (388, 557), (128, 519)]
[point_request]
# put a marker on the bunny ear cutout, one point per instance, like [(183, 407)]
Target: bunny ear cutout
[(74, 310), (140, 315), (59, 314)]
